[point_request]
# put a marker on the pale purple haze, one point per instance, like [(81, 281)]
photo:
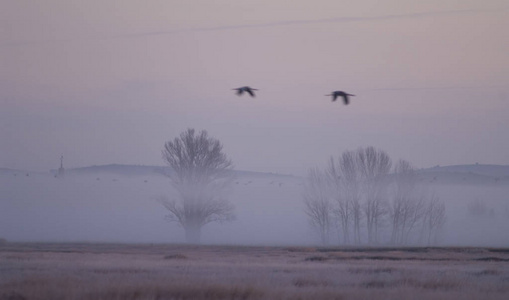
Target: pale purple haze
[(110, 81)]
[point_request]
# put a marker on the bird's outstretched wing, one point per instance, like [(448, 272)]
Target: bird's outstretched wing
[(250, 91), (345, 99), (330, 95)]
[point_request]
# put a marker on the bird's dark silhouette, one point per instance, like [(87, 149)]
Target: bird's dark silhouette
[(246, 89), (342, 94)]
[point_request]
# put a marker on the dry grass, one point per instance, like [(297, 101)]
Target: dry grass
[(109, 271)]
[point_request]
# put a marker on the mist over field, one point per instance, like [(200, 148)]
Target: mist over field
[(103, 204), (281, 88)]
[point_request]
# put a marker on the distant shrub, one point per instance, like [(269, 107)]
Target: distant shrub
[(491, 258), (487, 272), (175, 256), (300, 249), (3, 241), (316, 258), (371, 270)]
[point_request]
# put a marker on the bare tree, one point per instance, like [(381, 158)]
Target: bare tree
[(352, 188), (374, 165), (202, 175), (434, 219), (341, 207), (344, 178), (413, 207), (359, 183), (317, 204), (408, 203)]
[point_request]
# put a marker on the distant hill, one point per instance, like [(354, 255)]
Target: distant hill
[(140, 170), (474, 174), (467, 174), (128, 170), (488, 170)]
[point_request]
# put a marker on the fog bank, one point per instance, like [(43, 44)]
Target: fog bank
[(113, 207)]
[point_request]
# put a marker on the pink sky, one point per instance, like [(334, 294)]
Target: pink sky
[(110, 81)]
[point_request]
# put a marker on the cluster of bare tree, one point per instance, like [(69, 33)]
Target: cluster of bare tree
[(364, 199), (359, 195)]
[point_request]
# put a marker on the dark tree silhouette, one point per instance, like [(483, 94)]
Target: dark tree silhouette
[(374, 165), (344, 177), (317, 204), (201, 175), (434, 219), (407, 204)]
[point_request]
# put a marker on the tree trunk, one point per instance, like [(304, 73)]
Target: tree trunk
[(193, 234)]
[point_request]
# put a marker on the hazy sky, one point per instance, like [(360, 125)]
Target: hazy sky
[(110, 81)]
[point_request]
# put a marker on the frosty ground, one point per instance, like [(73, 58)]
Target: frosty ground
[(158, 271)]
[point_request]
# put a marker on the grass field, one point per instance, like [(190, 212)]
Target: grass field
[(117, 271)]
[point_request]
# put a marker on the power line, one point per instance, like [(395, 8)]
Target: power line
[(263, 25)]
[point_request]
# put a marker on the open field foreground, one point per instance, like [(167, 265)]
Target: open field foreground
[(116, 271)]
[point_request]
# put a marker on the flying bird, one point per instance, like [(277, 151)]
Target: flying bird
[(337, 94), (246, 89)]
